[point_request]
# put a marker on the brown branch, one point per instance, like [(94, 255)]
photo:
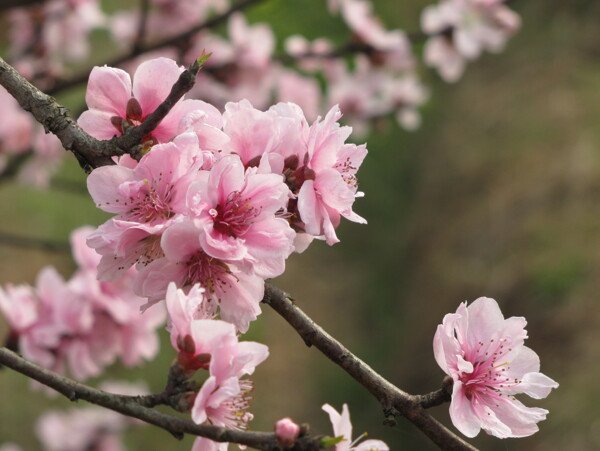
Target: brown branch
[(82, 77), (8, 4), (394, 401), (8, 239), (128, 405)]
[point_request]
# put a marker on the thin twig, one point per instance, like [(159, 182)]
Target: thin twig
[(142, 25), (438, 397), (14, 165), (127, 405), (394, 401)]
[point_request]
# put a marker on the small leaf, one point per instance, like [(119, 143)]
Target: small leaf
[(331, 441), (203, 57)]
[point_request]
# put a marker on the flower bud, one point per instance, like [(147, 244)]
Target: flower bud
[(286, 432)]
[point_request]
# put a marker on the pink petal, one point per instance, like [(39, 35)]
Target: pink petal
[(97, 124), (103, 184), (153, 81), (461, 412), (109, 90)]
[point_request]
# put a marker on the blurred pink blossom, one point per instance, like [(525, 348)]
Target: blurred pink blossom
[(462, 29)]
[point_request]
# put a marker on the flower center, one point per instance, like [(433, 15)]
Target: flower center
[(490, 369), (235, 216), (213, 274), (151, 204), (234, 414), (133, 117)]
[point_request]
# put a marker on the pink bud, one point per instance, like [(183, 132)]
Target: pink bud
[(286, 432)]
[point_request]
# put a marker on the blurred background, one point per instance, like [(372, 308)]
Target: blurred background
[(497, 195)]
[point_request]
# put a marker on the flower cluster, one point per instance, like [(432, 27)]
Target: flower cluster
[(489, 364), (81, 323), (207, 343), (461, 30), (226, 201)]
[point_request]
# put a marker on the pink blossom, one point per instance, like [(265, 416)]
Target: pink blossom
[(224, 403), (201, 340), (298, 46), (342, 427), (485, 356), (238, 293), (80, 324), (115, 103), (318, 166), (330, 185), (235, 208), (286, 432)]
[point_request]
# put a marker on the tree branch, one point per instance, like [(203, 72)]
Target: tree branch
[(438, 397), (142, 25), (394, 401), (127, 405)]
